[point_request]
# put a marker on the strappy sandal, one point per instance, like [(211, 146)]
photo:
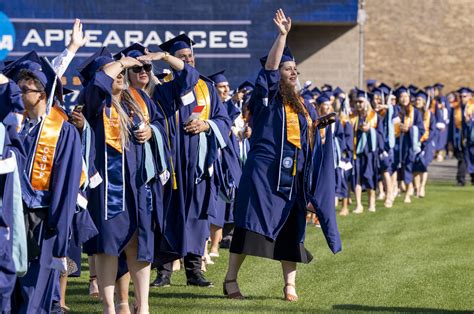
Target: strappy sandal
[(236, 295), (289, 297), (93, 287)]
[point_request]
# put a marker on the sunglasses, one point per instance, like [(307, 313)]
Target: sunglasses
[(146, 67), (26, 91)]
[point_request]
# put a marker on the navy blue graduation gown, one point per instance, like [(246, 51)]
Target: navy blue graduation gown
[(228, 173), (404, 150), (462, 138), (50, 237), (366, 165), (197, 196), (442, 113), (386, 155), (10, 101), (426, 155), (83, 228), (116, 231), (341, 154), (174, 243), (260, 206)]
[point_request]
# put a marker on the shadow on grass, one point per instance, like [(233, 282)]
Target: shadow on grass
[(190, 295), (393, 309)]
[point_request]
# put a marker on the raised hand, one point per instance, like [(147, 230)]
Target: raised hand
[(129, 62), (282, 22), (152, 56), (77, 37)]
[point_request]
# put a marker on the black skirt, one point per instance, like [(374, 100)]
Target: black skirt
[(286, 247)]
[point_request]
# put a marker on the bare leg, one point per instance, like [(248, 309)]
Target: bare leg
[(216, 237), (417, 182), (230, 281), (381, 191), (345, 207), (371, 194), (106, 267), (140, 273), (394, 182), (62, 287), (289, 275), (388, 186), (424, 180), (93, 287), (358, 195), (121, 292), (408, 193)]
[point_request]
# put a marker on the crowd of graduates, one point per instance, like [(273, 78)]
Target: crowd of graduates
[(386, 137), (150, 169)]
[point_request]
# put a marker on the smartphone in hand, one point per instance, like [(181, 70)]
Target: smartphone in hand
[(78, 108), (326, 120)]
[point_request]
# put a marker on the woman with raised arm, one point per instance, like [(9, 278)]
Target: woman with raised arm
[(283, 172), (122, 129)]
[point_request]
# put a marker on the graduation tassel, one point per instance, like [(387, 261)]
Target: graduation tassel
[(294, 165), (175, 183)]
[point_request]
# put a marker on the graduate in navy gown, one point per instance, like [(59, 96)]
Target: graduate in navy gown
[(119, 206), (228, 170), (14, 256), (168, 223), (281, 175), (409, 129), (461, 135), (426, 155), (197, 125), (443, 111), (386, 112), (346, 139), (368, 129), (51, 184)]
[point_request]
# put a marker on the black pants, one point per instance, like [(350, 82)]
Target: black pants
[(192, 265), (228, 230), (461, 171), (462, 168)]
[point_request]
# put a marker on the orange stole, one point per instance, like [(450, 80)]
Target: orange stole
[(469, 111), (292, 126), (458, 117), (371, 120), (112, 129), (426, 124), (141, 103), (406, 120), (203, 99), (45, 149)]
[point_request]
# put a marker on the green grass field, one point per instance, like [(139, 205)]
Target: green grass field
[(415, 258)]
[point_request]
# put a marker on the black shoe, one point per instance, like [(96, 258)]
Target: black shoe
[(161, 281), (199, 281), (460, 184), (225, 243)]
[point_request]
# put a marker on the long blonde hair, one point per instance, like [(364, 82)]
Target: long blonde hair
[(126, 119)]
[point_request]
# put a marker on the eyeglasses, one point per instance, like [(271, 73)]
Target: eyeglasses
[(26, 91), (123, 72), (146, 67)]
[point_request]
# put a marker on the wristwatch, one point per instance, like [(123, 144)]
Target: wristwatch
[(166, 55)]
